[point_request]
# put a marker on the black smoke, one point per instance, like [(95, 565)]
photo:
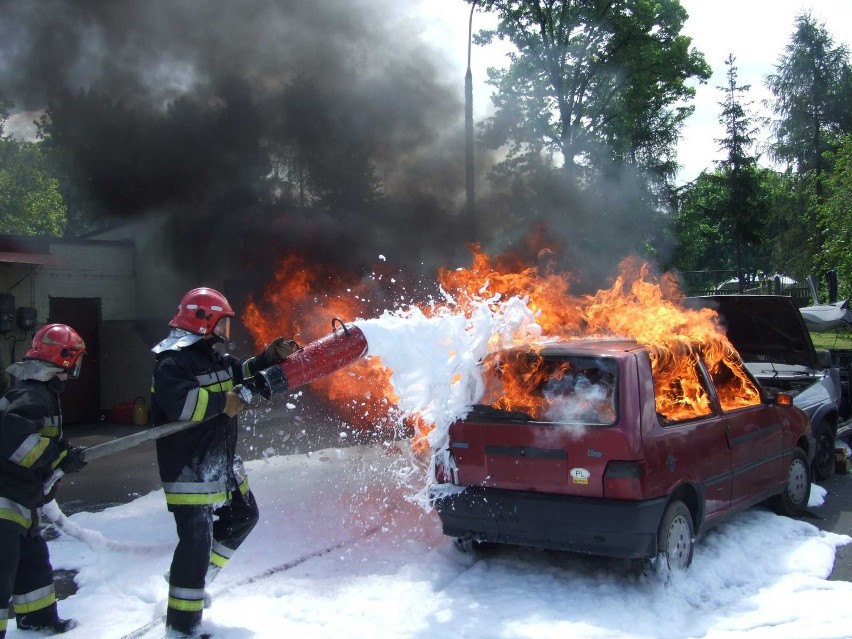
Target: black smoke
[(262, 127), (257, 127)]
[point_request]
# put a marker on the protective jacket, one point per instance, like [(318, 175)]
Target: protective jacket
[(31, 444), (199, 466)]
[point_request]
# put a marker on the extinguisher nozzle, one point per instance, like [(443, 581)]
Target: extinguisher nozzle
[(270, 381)]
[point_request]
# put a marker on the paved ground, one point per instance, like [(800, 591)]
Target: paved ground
[(122, 477)]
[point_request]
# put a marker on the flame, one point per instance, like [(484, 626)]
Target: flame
[(547, 292), (551, 390), (639, 305), (295, 305)]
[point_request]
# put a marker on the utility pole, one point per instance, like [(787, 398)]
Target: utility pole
[(470, 211)]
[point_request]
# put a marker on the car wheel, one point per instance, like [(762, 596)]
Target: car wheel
[(824, 458), (793, 500), (675, 538)]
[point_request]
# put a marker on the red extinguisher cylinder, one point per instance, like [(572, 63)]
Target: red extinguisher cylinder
[(313, 361), (324, 356)]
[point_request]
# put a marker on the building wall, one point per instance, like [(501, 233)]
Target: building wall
[(99, 269), (138, 286), (159, 283), (90, 269), (126, 364)]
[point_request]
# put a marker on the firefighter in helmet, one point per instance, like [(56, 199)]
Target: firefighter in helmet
[(33, 454), (204, 481)]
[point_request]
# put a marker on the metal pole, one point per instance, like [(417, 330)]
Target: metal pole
[(468, 129)]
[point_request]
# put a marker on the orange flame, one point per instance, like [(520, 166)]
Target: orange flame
[(639, 305), (294, 305)]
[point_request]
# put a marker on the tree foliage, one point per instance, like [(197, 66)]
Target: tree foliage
[(812, 88), (5, 107), (593, 82), (706, 235), (835, 218), (30, 201), (744, 205)]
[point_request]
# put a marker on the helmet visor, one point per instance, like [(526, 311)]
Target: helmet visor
[(223, 328), (74, 371)]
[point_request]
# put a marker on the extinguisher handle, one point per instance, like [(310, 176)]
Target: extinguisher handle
[(337, 320)]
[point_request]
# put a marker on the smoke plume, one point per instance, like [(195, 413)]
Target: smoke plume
[(264, 127)]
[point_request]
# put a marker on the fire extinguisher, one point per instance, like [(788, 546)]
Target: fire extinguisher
[(342, 347)]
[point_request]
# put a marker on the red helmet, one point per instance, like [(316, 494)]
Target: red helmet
[(60, 345), (200, 312)]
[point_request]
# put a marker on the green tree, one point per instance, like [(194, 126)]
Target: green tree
[(812, 87), (30, 201), (5, 107), (745, 203), (812, 90), (790, 230), (701, 247), (705, 235), (592, 83), (835, 218)]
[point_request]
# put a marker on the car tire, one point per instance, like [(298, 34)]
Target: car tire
[(675, 539), (793, 500), (823, 464)]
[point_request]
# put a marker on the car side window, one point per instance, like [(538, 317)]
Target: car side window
[(680, 393), (734, 386)]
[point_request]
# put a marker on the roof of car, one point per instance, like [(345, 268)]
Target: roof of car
[(600, 346)]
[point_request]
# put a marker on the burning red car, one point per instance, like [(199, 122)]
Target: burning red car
[(613, 448)]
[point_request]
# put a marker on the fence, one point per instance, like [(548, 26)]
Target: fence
[(800, 294)]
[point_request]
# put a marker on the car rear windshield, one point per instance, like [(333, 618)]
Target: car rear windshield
[(565, 389)]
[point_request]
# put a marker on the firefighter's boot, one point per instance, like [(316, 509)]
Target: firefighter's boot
[(55, 626)]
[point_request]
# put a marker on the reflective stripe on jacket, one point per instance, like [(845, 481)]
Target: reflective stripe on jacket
[(30, 430), (197, 465)]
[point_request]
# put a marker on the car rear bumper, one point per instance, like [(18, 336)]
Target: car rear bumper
[(613, 528)]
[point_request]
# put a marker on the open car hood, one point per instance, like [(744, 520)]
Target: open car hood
[(763, 328)]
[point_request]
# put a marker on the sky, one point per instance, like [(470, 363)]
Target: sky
[(346, 544), (754, 31)]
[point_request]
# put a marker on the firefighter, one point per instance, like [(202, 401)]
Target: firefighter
[(203, 479), (33, 454)]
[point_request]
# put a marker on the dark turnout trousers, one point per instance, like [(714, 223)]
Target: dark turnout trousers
[(26, 577), (204, 548)]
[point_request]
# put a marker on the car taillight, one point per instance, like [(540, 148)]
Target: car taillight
[(623, 480)]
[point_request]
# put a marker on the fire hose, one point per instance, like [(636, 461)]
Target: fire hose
[(313, 361)]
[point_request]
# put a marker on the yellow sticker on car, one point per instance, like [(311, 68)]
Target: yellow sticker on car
[(580, 475)]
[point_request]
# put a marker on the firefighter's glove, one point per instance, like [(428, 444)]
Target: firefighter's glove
[(233, 403), (279, 350), (73, 461)]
